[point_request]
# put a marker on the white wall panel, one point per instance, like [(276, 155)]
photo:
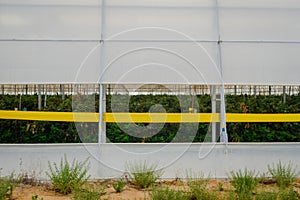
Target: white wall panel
[(260, 20), (195, 19), (46, 19), (161, 62), (264, 63), (109, 160), (49, 62)]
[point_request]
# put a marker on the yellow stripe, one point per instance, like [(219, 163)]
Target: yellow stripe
[(50, 116), (161, 117), (237, 117), (146, 117)]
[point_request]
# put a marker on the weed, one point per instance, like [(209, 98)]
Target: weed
[(264, 195), (89, 192), (198, 187), (220, 186), (119, 185), (196, 179), (244, 182), (66, 177), (284, 175), (288, 194), (7, 185), (36, 197), (143, 175), (159, 193)]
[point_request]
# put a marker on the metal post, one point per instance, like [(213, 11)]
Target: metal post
[(39, 98), (62, 90), (223, 131), (213, 110), (284, 94), (102, 108), (223, 134), (45, 99)]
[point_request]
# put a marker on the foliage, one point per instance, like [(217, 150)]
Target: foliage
[(160, 193), (198, 187), (89, 192), (36, 197), (288, 194), (18, 131), (7, 185), (66, 177), (119, 185), (143, 174), (264, 195), (245, 182), (284, 175)]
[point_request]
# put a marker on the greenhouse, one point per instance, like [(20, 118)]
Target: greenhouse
[(184, 80)]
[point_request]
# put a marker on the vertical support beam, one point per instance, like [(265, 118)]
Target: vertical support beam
[(2, 89), (235, 90), (213, 110), (26, 89), (284, 94), (102, 109), (254, 91), (223, 130), (45, 99), (62, 91), (102, 87), (223, 134), (39, 97)]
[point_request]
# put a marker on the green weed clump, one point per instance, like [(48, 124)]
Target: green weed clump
[(67, 177), (88, 192), (159, 193), (142, 174), (7, 185), (284, 175), (245, 183), (265, 195), (198, 186), (119, 185)]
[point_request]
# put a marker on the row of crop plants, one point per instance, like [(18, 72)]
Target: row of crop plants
[(17, 131)]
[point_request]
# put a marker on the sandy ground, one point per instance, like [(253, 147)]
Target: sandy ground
[(46, 192)]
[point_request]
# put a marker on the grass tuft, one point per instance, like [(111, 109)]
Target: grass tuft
[(284, 175), (66, 177), (142, 174), (245, 183)]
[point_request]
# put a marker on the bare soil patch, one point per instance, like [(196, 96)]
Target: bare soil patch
[(130, 192)]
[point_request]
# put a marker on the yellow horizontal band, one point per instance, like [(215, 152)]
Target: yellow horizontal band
[(250, 117), (161, 117), (50, 116), (146, 117)]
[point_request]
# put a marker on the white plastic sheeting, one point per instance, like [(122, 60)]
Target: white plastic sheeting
[(109, 160), (146, 41)]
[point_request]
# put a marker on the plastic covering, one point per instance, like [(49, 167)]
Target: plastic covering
[(150, 41)]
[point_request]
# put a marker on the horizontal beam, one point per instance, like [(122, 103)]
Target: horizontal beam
[(146, 117)]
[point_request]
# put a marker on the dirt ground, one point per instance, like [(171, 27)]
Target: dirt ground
[(27, 192), (46, 192)]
